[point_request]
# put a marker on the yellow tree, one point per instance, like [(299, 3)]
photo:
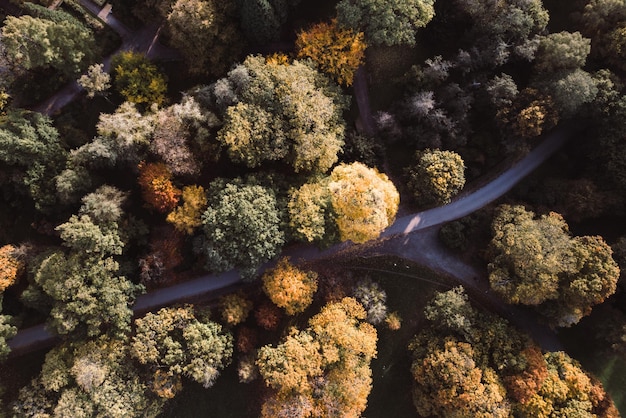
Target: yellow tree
[(188, 217), (337, 51), (289, 287), (324, 370), (364, 200)]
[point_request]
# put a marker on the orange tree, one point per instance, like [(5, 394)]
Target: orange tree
[(337, 51), (156, 186), (289, 287)]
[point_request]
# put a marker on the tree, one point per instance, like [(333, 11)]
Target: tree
[(95, 81), (369, 294), (171, 142), (241, 226), (11, 267), (157, 188), (561, 51), (94, 378), (188, 217), (104, 205), (206, 33), (305, 128), (567, 391), (137, 79), (437, 176), (364, 200), (123, 137), (32, 153), (289, 287), (7, 331), (447, 382), (386, 22), (338, 52), (536, 262), (56, 40), (570, 90), (235, 308), (311, 214), (173, 343), (261, 20), (323, 370)]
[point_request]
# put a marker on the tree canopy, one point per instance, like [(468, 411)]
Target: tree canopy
[(386, 22), (323, 370), (174, 343), (241, 227), (437, 176), (304, 128), (56, 40), (534, 261), (289, 287)]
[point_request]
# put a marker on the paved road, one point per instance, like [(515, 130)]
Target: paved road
[(410, 237), (144, 40)]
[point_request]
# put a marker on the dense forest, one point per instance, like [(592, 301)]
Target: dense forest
[(147, 143)]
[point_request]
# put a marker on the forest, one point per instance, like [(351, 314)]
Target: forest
[(312, 208)]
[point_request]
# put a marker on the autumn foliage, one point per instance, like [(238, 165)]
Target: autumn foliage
[(157, 188), (188, 217), (337, 51), (10, 267), (289, 287)]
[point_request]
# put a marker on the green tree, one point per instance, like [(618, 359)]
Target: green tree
[(561, 51), (55, 40), (206, 33), (305, 127), (7, 331), (289, 287), (88, 379), (95, 81), (32, 154), (311, 215), (536, 262), (174, 342), (261, 20), (386, 22), (241, 226), (437, 176), (137, 79)]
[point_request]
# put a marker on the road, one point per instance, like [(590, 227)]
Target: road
[(144, 40), (411, 237)]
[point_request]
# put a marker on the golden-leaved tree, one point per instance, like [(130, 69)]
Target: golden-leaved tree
[(289, 287), (323, 370), (337, 51)]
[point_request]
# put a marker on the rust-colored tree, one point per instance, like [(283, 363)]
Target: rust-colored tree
[(337, 51), (157, 188), (289, 287)]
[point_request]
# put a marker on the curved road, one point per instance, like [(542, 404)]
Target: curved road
[(412, 237), (144, 40)]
